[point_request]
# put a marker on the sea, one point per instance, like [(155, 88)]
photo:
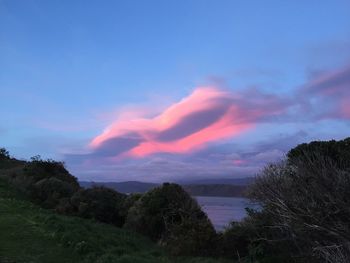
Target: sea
[(223, 210)]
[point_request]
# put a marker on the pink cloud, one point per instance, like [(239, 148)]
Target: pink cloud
[(208, 114), (239, 162), (331, 83), (345, 108)]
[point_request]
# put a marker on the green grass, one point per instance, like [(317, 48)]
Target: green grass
[(29, 233)]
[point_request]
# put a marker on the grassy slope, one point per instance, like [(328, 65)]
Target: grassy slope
[(29, 233)]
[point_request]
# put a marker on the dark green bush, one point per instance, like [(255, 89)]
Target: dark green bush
[(44, 181), (129, 202), (101, 203), (6, 162), (4, 154), (22, 183), (49, 191), (235, 240), (307, 198), (337, 152), (168, 214), (254, 240), (40, 169)]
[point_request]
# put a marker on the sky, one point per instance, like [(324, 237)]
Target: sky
[(171, 90)]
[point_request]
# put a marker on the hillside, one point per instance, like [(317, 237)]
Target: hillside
[(32, 234), (224, 190), (231, 181), (123, 187)]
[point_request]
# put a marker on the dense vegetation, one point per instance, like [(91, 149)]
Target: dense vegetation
[(304, 215), (49, 185), (32, 234), (170, 216)]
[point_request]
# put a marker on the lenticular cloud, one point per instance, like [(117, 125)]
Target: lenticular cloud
[(206, 115)]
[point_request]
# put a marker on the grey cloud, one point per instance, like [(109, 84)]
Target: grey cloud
[(192, 123), (118, 145)]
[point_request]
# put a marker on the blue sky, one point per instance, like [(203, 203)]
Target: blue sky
[(69, 69)]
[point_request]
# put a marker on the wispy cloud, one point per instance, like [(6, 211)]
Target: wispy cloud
[(206, 115), (328, 95), (192, 137)]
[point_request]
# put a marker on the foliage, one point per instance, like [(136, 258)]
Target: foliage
[(337, 152), (49, 191), (6, 161), (304, 216), (172, 217), (4, 154), (40, 169), (101, 203), (129, 202), (253, 240), (44, 181), (307, 198), (32, 234), (168, 214), (235, 240)]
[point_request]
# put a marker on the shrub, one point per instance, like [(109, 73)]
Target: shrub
[(253, 240), (22, 183), (40, 169), (6, 162), (129, 202), (307, 198), (235, 240), (338, 152), (49, 191), (4, 154), (100, 203), (168, 214), (44, 181)]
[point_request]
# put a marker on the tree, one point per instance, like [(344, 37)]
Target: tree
[(129, 202), (40, 169), (49, 191), (4, 154), (308, 199), (101, 203), (338, 152), (168, 214)]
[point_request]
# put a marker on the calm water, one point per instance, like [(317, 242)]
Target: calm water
[(223, 210)]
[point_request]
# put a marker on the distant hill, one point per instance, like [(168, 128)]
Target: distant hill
[(233, 181), (226, 190), (123, 187)]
